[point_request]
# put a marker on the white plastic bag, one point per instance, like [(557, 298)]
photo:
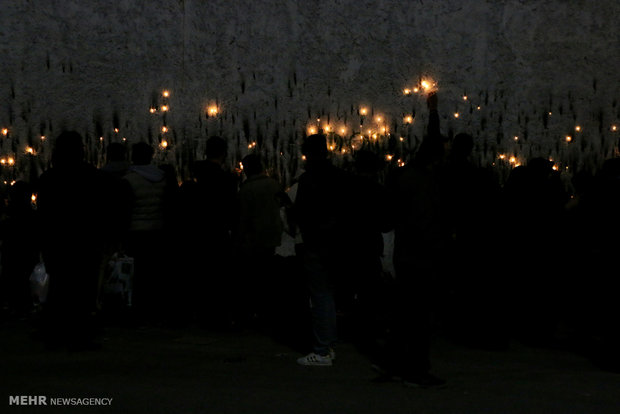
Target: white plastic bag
[(39, 283), (119, 282)]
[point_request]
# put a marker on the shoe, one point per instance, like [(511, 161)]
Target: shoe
[(313, 359), (423, 381)]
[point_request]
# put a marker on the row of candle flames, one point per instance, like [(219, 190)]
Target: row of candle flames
[(424, 86)]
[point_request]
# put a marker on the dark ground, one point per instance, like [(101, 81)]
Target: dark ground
[(191, 370)]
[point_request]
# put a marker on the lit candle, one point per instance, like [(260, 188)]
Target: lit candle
[(166, 94), (516, 138), (407, 91), (408, 119), (363, 111), (164, 129), (164, 144), (152, 110), (456, 114), (389, 157), (578, 128), (42, 137), (11, 160), (464, 97), (29, 150), (614, 128), (212, 110), (116, 130), (5, 131), (311, 130), (164, 108), (569, 138), (343, 130)]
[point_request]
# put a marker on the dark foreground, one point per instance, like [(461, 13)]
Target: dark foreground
[(190, 370)]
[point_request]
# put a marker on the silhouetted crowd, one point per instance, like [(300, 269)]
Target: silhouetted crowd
[(478, 262)]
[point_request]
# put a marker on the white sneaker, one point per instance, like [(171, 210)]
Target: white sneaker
[(313, 359)]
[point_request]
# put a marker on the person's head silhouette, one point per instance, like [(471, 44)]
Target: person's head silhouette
[(68, 150), (314, 148)]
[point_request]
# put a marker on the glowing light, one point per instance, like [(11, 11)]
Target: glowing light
[(464, 97), (11, 161), (384, 129), (212, 110), (407, 91), (331, 147), (428, 85), (3, 161), (578, 128), (33, 198), (327, 128), (343, 130), (408, 119), (363, 111), (512, 160), (164, 108), (378, 119), (303, 157), (5, 131), (166, 94), (614, 128), (516, 138), (550, 113), (569, 138), (116, 130), (456, 114), (30, 150), (416, 89), (164, 129), (344, 150), (100, 138), (311, 130), (502, 156), (124, 139), (555, 167), (402, 139), (42, 137), (164, 144), (152, 110), (252, 145), (478, 108), (389, 157)]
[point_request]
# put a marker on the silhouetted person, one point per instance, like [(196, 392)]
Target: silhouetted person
[(146, 240), (208, 205), (420, 246), (71, 204), (259, 232), (534, 199), (321, 208), (593, 253), (117, 163), (478, 297), (20, 248), (361, 292)]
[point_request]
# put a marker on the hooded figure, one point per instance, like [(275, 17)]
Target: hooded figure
[(146, 238), (149, 190)]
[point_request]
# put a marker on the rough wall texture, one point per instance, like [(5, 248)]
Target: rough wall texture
[(273, 67)]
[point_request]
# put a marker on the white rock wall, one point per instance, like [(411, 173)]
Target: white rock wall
[(273, 67)]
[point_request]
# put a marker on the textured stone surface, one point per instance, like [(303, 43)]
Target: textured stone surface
[(273, 67)]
